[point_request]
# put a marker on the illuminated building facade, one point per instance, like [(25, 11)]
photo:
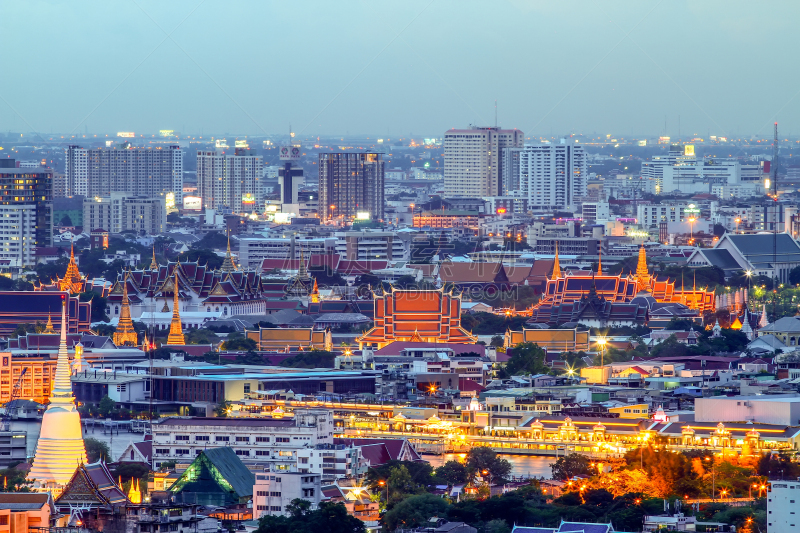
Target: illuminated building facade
[(60, 447), (291, 339), (31, 307), (26, 213), (553, 175), (416, 315), (567, 297), (552, 340), (351, 186), (230, 180), (466, 222)]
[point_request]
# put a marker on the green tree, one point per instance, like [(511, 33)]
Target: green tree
[(405, 282), (415, 511), (497, 341), (96, 450), (65, 221), (570, 466), (498, 525), (329, 518), (106, 406), (236, 342), (526, 358), (483, 460), (222, 408), (310, 359), (202, 256), (99, 305), (213, 240), (452, 473)]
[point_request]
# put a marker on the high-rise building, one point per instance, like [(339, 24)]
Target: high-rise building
[(147, 172), (781, 505), (553, 175), (351, 186), (124, 212), (473, 160), (60, 448), (678, 155), (231, 180), (26, 213)]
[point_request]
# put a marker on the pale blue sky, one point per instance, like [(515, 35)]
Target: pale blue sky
[(726, 67)]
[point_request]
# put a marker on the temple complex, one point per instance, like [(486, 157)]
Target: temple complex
[(73, 281), (203, 292), (608, 300), (416, 315), (60, 448), (291, 339), (301, 285)]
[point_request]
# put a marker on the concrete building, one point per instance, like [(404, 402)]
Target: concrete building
[(231, 180), (782, 503), (553, 176), (364, 245), (150, 172), (26, 213), (649, 215), (252, 439), (122, 211), (595, 211), (24, 512), (253, 250), (473, 160), (700, 176), (677, 155), (274, 491), (773, 409), (351, 186)]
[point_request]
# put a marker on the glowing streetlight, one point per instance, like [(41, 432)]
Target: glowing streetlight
[(602, 342)]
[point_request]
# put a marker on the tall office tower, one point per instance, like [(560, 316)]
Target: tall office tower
[(473, 163), (26, 213), (351, 186), (230, 180), (147, 172), (553, 175)]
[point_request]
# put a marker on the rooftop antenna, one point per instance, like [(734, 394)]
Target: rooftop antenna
[(495, 113)]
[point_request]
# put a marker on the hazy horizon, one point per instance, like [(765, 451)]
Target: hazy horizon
[(396, 69)]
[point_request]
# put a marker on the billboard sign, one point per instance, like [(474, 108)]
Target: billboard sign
[(289, 153), (192, 203), (688, 150), (248, 198), (240, 144), (127, 134), (362, 215), (166, 133)]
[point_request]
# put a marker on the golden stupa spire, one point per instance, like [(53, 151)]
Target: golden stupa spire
[(48, 329), (415, 337), (228, 265), (315, 293), (134, 494), (175, 329), (642, 274), (125, 334), (599, 261), (556, 265), (72, 280), (154, 263)]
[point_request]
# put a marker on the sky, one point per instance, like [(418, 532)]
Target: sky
[(390, 68)]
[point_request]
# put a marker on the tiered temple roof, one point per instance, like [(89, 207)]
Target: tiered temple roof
[(194, 280), (422, 315), (567, 295), (125, 334)]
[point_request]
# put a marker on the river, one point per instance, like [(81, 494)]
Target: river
[(521, 465)]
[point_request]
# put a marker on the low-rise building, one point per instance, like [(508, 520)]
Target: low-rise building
[(23, 512), (782, 502), (274, 491)]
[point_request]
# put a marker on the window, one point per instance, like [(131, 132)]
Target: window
[(262, 452), (222, 439), (181, 437), (246, 388), (242, 439), (180, 451), (275, 494), (201, 437), (281, 439), (275, 508), (162, 451), (303, 460), (262, 439), (243, 452)]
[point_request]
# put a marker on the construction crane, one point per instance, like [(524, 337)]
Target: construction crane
[(5, 421)]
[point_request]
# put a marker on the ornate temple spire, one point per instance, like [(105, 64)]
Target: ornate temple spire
[(154, 263), (228, 265), (642, 274), (72, 280), (556, 265), (60, 448), (600, 260), (416, 337), (315, 293), (302, 270), (48, 329), (125, 335), (134, 494), (175, 329)]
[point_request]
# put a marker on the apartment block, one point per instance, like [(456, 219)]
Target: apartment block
[(351, 186), (121, 212), (274, 491), (474, 160), (26, 213), (553, 176), (232, 180)]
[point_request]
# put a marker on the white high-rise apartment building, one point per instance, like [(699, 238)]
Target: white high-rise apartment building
[(230, 180), (677, 155), (783, 501), (150, 172), (552, 176), (122, 211), (473, 163)]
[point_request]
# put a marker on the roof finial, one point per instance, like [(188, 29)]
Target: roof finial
[(556, 265), (154, 263)]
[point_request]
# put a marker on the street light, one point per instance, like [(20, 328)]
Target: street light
[(602, 342), (713, 477), (382, 483)]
